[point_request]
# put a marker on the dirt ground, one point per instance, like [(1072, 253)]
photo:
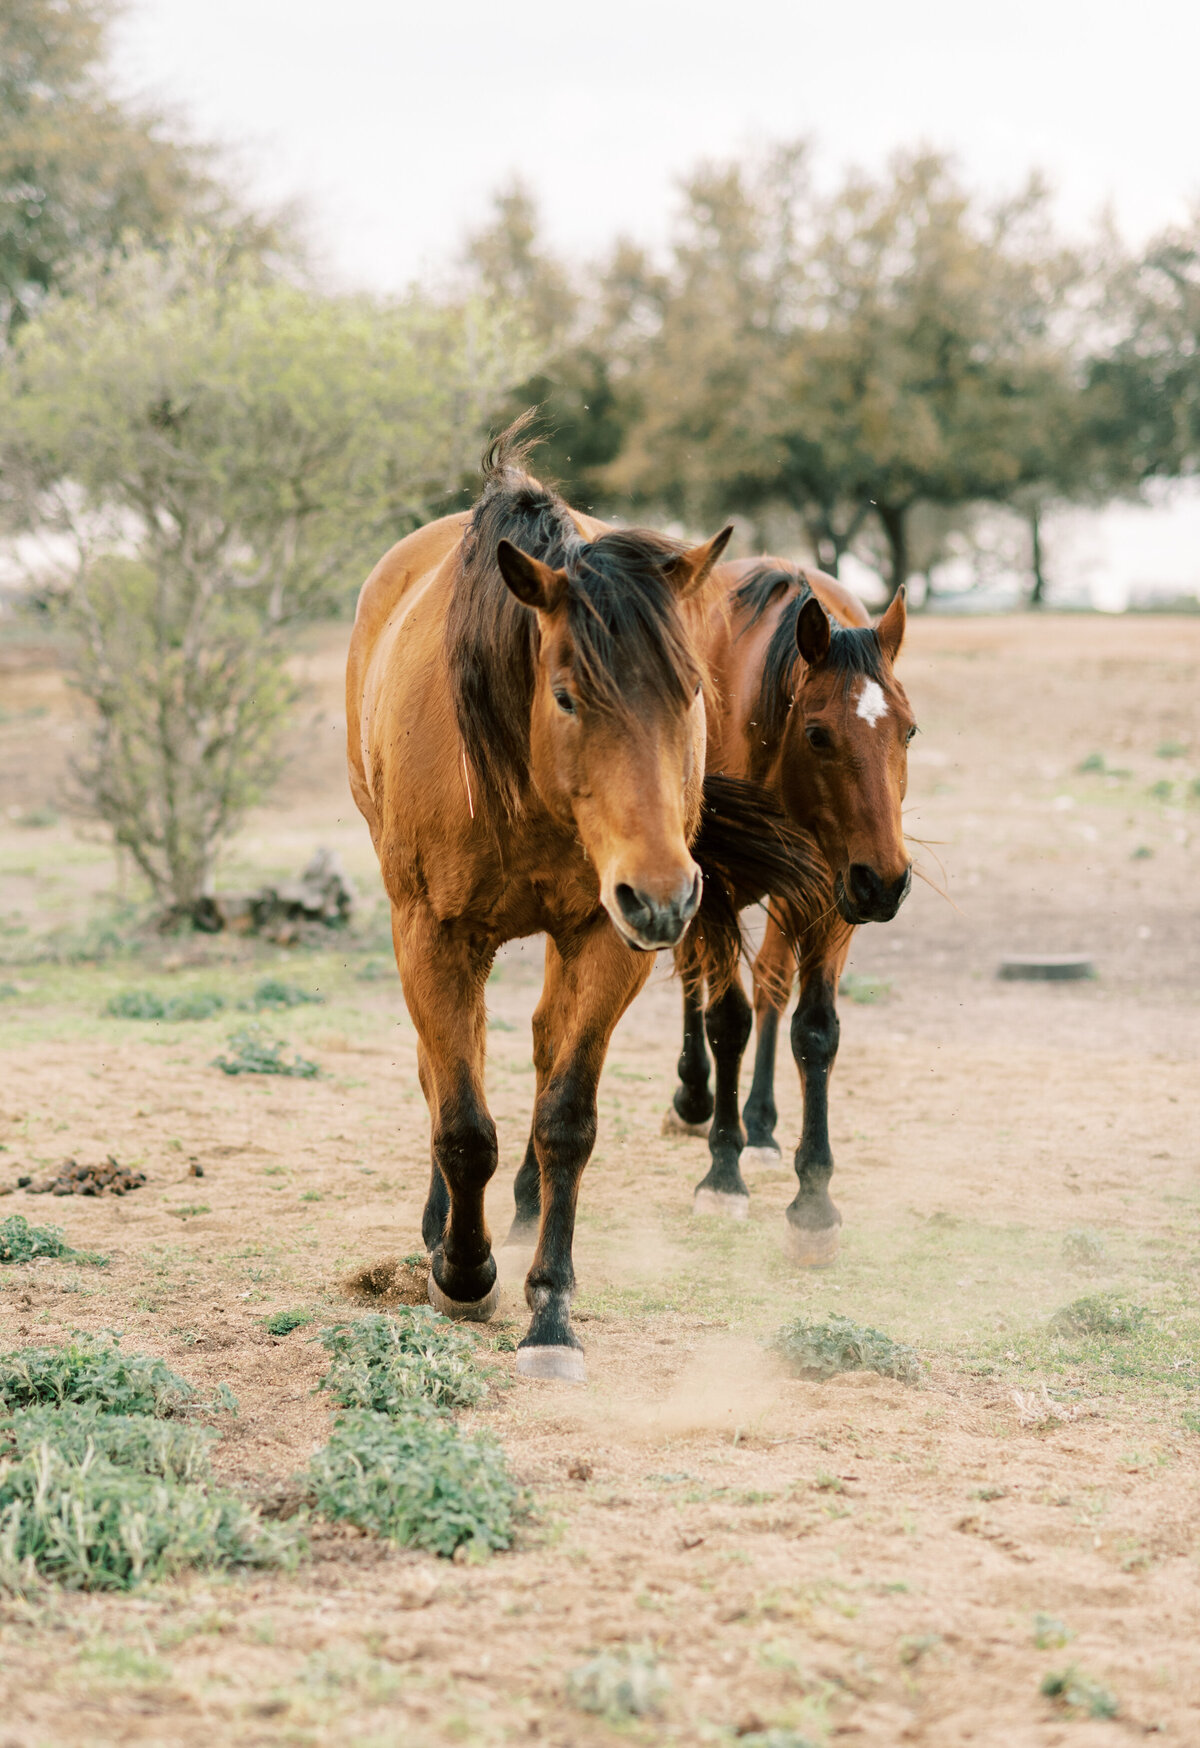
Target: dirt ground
[(859, 1560)]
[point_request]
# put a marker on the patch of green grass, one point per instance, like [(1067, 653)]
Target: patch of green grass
[(821, 1349), (274, 993), (1099, 1314), (1049, 1633), (1170, 749), (92, 1369), (864, 990), (1191, 1420), (144, 1004), (283, 1322), (1093, 763), (189, 1210), (417, 1481), (621, 1684), (174, 1450), (1082, 1248), (90, 1524), (1077, 1694), (1162, 790), (388, 1362), (253, 1051), (376, 970), (21, 1242)]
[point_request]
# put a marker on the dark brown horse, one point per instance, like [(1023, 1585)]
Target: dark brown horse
[(526, 727), (811, 709)]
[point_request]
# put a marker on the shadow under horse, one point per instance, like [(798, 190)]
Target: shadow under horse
[(526, 735), (811, 710)]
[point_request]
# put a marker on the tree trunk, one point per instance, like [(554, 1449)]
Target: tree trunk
[(893, 519), (1037, 595)]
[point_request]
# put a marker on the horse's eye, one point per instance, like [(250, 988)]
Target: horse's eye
[(564, 701), (909, 736), (818, 738)]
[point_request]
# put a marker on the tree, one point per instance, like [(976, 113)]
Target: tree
[(224, 454), (578, 419), (851, 356), (80, 173)]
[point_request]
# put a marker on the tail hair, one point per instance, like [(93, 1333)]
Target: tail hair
[(749, 850)]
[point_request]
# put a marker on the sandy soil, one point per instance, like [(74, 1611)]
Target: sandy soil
[(858, 1560)]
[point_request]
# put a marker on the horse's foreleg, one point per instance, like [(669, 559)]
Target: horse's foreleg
[(774, 970), (527, 1187), (813, 1220), (723, 1191), (692, 1105), (443, 980), (590, 981)]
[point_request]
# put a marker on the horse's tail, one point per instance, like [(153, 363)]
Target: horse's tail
[(748, 849)]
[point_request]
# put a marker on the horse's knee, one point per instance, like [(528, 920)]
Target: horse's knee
[(465, 1146), (729, 1023), (564, 1123), (815, 1027)]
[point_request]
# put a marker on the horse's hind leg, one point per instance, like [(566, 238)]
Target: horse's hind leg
[(813, 1220), (590, 981), (723, 1190), (443, 986), (774, 970), (692, 1104)]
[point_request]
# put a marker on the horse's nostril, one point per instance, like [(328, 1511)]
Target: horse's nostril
[(634, 908), (865, 885)]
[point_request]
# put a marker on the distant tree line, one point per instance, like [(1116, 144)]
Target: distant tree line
[(874, 360), (200, 447)]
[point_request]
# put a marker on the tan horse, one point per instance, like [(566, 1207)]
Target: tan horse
[(526, 726), (811, 709)]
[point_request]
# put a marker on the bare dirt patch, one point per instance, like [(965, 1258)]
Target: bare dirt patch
[(857, 1559)]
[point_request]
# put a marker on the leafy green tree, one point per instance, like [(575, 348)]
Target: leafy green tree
[(81, 173), (223, 454), (853, 356)]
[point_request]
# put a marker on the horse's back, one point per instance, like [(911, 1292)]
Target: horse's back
[(833, 595)]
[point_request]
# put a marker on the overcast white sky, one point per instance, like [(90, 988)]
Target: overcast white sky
[(394, 121)]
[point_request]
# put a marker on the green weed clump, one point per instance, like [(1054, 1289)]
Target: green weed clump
[(283, 1322), (1099, 1314), (89, 1524), (253, 1051), (388, 1363), (820, 1350), (273, 992), (416, 1481), (21, 1242), (173, 1450), (619, 1684), (864, 990), (92, 1369), (1078, 1694), (144, 1004)]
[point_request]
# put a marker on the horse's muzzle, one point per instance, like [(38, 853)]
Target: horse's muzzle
[(862, 896), (647, 923)]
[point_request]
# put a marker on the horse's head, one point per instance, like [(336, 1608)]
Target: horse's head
[(617, 726), (845, 757)]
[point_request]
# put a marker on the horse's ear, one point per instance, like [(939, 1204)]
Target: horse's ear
[(689, 570), (890, 630), (813, 632), (533, 583)]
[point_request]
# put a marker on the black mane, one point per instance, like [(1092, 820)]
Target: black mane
[(622, 612), (853, 649)]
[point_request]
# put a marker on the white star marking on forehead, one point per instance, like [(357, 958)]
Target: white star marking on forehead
[(871, 702)]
